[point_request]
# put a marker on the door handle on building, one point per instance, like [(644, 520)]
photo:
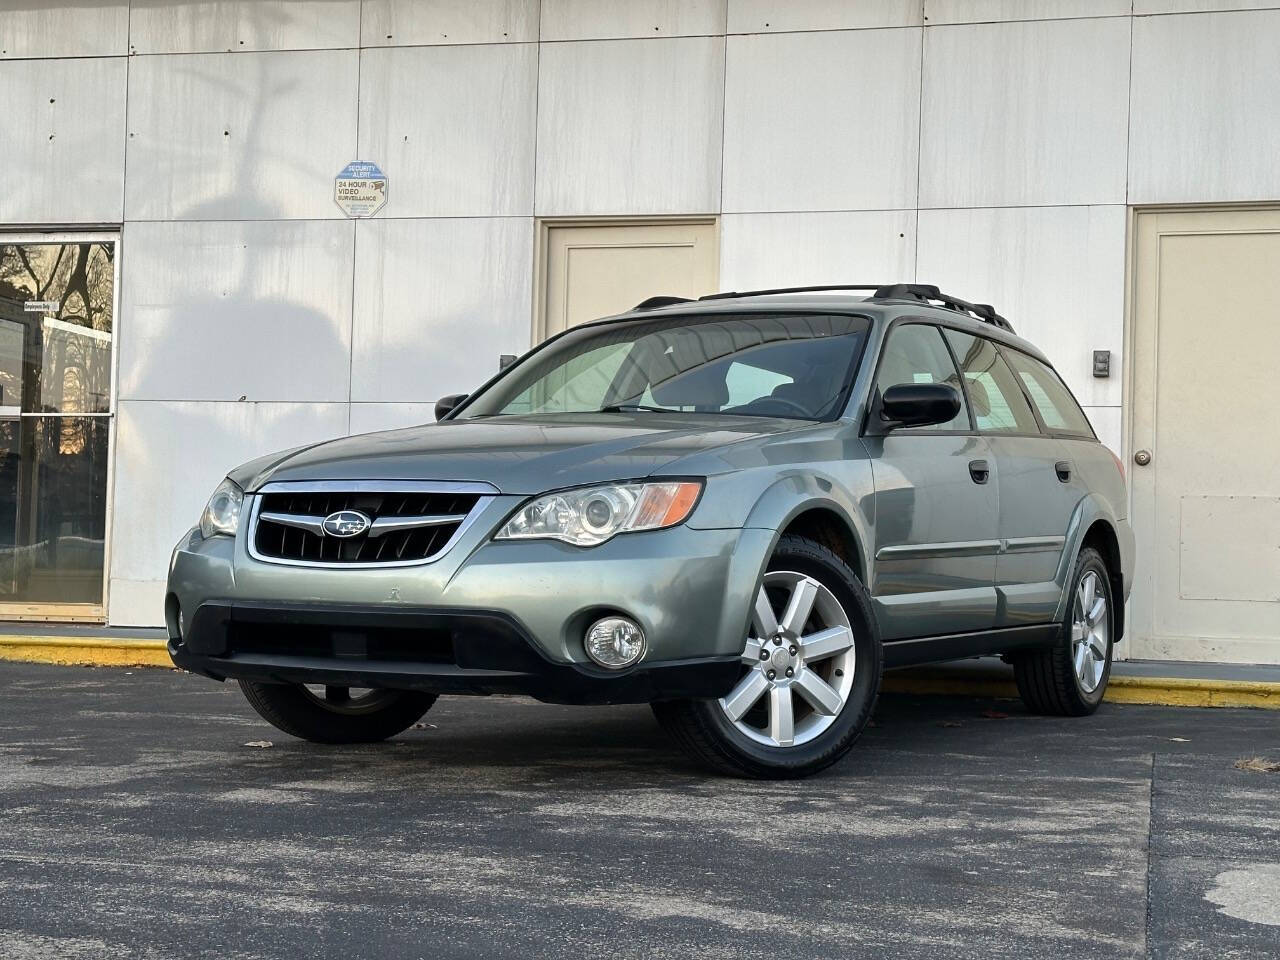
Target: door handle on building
[(1142, 457)]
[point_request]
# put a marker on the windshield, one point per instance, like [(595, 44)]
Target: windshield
[(758, 365)]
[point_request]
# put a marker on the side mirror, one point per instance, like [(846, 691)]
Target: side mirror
[(919, 404), (446, 405)]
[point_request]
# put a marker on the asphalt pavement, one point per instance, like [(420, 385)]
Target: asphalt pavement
[(138, 822)]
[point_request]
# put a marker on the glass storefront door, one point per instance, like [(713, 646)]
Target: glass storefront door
[(57, 313)]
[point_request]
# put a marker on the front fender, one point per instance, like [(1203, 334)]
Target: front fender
[(842, 488), (796, 494)]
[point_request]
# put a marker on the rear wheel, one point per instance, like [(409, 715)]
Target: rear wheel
[(336, 714), (810, 676), (1069, 678)]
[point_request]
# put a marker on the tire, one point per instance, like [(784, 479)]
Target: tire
[(295, 710), (1052, 680), (747, 747)]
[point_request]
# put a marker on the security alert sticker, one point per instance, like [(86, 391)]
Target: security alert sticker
[(360, 189)]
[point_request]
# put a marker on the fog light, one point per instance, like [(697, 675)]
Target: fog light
[(614, 642)]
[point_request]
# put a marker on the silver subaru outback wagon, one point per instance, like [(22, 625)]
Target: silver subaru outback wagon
[(740, 509)]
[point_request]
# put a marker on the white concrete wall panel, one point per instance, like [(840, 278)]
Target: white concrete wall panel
[(209, 26), (822, 121), (630, 126), (390, 23), (1025, 113), (765, 16), (1106, 422), (368, 417), (1206, 108), (252, 136), (62, 137), (220, 311), (452, 128), (1141, 7), (168, 459), (989, 11), (1057, 274), (759, 250), (90, 28), (437, 303), (618, 19)]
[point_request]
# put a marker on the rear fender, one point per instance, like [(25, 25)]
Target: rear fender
[(1087, 512)]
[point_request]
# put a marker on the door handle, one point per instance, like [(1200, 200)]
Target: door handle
[(979, 470), (1063, 469)]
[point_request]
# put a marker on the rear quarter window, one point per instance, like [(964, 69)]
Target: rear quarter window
[(1058, 409)]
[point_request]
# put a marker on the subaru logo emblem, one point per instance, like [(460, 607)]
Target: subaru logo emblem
[(346, 523)]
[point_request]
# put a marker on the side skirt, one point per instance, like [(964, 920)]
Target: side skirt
[(955, 646)]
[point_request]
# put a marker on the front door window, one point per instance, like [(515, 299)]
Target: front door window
[(56, 341)]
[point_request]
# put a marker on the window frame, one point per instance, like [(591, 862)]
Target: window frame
[(83, 612), (840, 404), (1041, 431), (871, 426), (1044, 427)]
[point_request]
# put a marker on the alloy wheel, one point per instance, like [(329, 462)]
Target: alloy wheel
[(799, 660), (1090, 632)]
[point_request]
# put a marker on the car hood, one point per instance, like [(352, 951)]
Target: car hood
[(518, 455)]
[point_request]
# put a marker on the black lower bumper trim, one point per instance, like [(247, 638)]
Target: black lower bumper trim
[(450, 652)]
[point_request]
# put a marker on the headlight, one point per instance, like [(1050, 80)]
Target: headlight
[(222, 512), (592, 515)]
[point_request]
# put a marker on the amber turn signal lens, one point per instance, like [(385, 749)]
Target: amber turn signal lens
[(665, 504)]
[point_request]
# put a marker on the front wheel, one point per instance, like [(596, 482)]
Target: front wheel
[(811, 670), (336, 714)]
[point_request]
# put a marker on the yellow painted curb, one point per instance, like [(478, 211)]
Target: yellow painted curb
[(1184, 692), (1169, 691), (85, 651)]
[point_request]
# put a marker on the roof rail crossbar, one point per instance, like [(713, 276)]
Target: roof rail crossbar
[(924, 292), (732, 294), (929, 293), (653, 302)]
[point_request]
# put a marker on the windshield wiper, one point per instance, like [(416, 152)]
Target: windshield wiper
[(634, 408)]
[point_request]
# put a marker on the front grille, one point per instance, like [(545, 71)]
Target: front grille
[(408, 526)]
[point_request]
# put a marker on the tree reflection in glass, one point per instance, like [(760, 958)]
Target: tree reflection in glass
[(56, 327)]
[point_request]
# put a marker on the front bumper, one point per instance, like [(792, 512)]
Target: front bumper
[(439, 651), (486, 617)]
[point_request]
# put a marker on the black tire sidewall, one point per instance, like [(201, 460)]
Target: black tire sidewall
[(812, 560), (291, 710)]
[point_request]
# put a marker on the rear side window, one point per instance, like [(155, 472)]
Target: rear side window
[(916, 353), (994, 395), (1054, 402)]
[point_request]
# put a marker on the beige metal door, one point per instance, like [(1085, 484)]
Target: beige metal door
[(1206, 409), (592, 270)]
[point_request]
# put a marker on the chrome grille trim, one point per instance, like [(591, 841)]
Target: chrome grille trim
[(383, 525), (391, 524)]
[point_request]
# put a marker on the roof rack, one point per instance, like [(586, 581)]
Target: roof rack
[(732, 294), (928, 293), (924, 292), (654, 302)]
